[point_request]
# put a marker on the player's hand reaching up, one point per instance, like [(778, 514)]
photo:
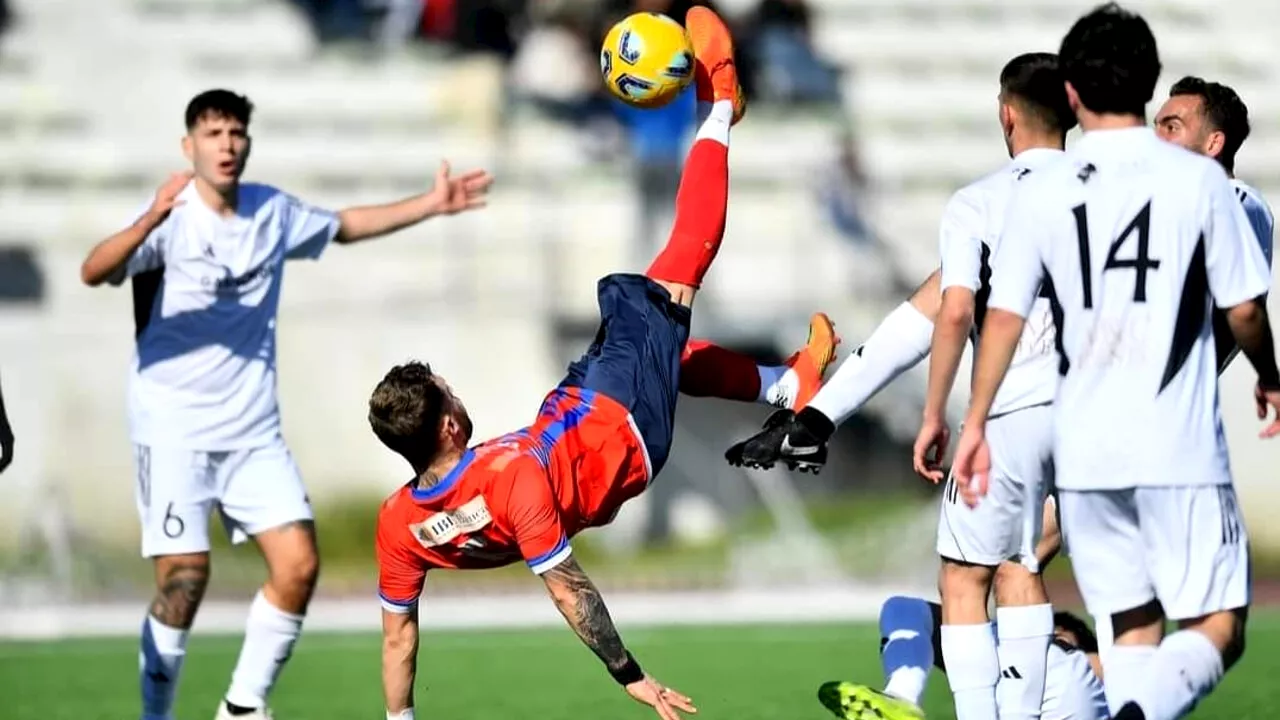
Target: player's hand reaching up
[(931, 449), (972, 467), (1268, 400), (452, 195), (166, 198), (663, 700)]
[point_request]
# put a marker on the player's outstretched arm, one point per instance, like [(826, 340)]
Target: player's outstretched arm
[(6, 437), (399, 662), (579, 601), (449, 196), (108, 259)]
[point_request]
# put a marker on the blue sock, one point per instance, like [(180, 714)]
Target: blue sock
[(906, 632), (163, 649)]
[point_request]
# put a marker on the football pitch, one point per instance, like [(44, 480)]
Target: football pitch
[(736, 673)]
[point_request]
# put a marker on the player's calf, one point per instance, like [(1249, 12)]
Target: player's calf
[(1024, 630), (968, 639), (275, 617), (1187, 666), (180, 585)]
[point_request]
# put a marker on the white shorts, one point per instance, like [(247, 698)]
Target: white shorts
[(1006, 525), (1184, 546), (177, 489)]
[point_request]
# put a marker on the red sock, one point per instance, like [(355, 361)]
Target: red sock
[(708, 370), (701, 205)]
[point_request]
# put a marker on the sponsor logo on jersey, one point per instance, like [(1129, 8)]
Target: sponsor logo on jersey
[(443, 527)]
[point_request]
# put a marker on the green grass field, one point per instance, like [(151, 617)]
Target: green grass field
[(736, 673)]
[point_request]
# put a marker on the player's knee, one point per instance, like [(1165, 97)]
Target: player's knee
[(1015, 585), (965, 581), (181, 581), (1226, 630), (1143, 625)]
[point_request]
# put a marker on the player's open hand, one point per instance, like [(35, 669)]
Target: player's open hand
[(452, 195), (972, 467), (662, 699), (931, 449), (166, 198), (1268, 400)]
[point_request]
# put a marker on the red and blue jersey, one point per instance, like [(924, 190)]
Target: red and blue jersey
[(517, 497)]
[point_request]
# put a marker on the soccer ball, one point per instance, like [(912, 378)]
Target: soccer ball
[(646, 60)]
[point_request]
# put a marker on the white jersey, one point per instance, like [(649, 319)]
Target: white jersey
[(1259, 214), (970, 233), (1134, 240), (204, 375), (1072, 691)]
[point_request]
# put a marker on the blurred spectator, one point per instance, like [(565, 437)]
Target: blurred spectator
[(555, 65), (843, 190), (658, 140), (335, 20), (790, 70), (6, 16)]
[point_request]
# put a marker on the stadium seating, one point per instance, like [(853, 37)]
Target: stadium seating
[(90, 103)]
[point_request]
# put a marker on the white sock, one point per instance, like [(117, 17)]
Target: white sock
[(1185, 669), (1125, 669), (269, 636), (906, 650), (714, 125), (1023, 649), (778, 385), (973, 668), (900, 342), (160, 657)]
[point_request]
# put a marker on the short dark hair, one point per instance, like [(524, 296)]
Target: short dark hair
[(1109, 56), (218, 103), (1035, 80), (1086, 641), (1223, 108), (405, 411)]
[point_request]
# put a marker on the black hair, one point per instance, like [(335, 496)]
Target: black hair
[(1109, 56), (1225, 111), (1035, 80), (1086, 641), (218, 103)]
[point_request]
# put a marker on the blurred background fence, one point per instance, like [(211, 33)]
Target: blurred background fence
[(866, 115)]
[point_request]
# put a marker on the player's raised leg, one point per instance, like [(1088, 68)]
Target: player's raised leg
[(265, 499), (708, 370), (703, 198)]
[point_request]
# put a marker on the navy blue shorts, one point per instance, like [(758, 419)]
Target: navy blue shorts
[(635, 357)]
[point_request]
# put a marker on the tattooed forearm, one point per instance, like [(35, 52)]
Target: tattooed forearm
[(579, 601), (181, 587)]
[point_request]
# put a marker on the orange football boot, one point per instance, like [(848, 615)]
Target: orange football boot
[(715, 75), (810, 362)]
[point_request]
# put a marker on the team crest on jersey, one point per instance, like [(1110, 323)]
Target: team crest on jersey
[(443, 527)]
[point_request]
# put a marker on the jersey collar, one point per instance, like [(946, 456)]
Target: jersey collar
[(1035, 156), (447, 482)]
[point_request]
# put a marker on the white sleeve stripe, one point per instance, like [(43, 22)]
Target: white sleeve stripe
[(545, 565), (396, 606)]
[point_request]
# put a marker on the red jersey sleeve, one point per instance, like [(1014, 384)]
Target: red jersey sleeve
[(401, 573), (535, 519)]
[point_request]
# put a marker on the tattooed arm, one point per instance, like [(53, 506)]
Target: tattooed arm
[(577, 598)]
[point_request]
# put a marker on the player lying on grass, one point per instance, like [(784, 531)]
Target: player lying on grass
[(911, 642), (599, 439), (207, 256)]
